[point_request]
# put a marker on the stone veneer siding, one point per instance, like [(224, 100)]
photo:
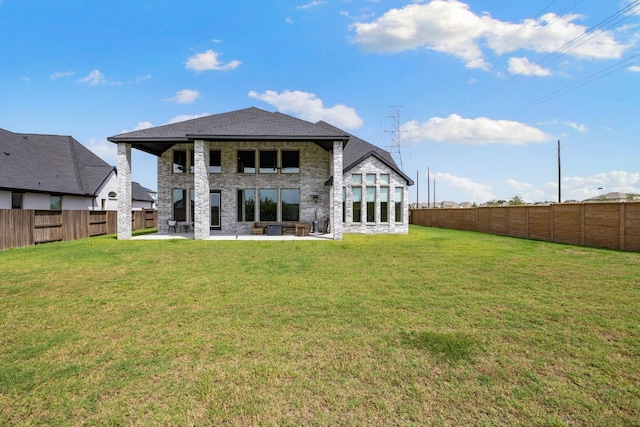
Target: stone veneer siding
[(372, 165), (314, 172), (124, 191)]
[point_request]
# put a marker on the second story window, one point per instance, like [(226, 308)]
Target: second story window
[(268, 161), (290, 161), (215, 162), (179, 161), (246, 161)]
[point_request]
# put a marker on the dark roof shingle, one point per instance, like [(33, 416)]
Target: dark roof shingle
[(49, 163)]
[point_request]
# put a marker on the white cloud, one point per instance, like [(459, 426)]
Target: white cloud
[(308, 106), (635, 68), (185, 96), (449, 26), (455, 129), (142, 125), (527, 192), (313, 3), (472, 190), (60, 74), (144, 78), (580, 188), (94, 78), (577, 126), (209, 61), (524, 67), (184, 117), (444, 26), (104, 149)]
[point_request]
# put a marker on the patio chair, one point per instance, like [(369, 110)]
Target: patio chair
[(172, 224)]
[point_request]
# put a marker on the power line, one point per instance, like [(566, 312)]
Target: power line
[(582, 82), (568, 47)]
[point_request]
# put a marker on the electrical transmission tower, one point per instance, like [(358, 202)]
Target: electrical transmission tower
[(396, 146)]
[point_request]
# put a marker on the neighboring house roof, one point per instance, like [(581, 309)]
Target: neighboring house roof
[(357, 150), (51, 164), (249, 124), (139, 193), (609, 197)]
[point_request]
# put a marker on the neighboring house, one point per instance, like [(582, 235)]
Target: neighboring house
[(141, 198), (615, 196), (227, 171), (53, 172)]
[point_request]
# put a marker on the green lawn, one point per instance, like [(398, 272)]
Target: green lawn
[(439, 327)]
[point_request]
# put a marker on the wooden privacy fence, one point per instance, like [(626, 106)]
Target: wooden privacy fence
[(602, 225), (30, 227)]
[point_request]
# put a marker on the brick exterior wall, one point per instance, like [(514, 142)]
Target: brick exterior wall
[(316, 165), (372, 165), (314, 172), (124, 191)]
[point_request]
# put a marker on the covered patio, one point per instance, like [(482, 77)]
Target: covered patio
[(217, 235)]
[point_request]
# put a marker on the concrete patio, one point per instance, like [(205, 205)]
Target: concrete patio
[(216, 235)]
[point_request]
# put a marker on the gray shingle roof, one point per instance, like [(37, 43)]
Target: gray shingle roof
[(139, 193), (249, 124), (49, 163), (357, 150)]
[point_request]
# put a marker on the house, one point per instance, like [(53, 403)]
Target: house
[(228, 171), (53, 172), (142, 198), (615, 196)]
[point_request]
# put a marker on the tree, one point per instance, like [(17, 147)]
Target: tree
[(516, 200)]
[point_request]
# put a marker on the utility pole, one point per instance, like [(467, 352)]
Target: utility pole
[(417, 189), (396, 131), (428, 189), (559, 176)]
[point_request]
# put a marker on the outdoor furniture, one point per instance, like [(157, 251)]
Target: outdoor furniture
[(184, 227), (172, 224), (302, 229)]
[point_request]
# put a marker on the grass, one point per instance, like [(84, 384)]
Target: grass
[(439, 327)]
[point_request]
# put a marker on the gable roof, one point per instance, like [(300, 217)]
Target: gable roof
[(139, 193), (249, 124), (49, 163), (358, 149)]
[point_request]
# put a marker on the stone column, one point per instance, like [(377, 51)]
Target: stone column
[(336, 213), (202, 208), (124, 191)]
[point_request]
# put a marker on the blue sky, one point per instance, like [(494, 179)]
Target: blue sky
[(484, 89)]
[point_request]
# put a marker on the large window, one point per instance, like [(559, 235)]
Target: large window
[(290, 205), (268, 161), (215, 161), (398, 204), (246, 205), (246, 161), (290, 161), (56, 203), (371, 179), (384, 204), (179, 200), (268, 204), (356, 200), (179, 161), (371, 204)]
